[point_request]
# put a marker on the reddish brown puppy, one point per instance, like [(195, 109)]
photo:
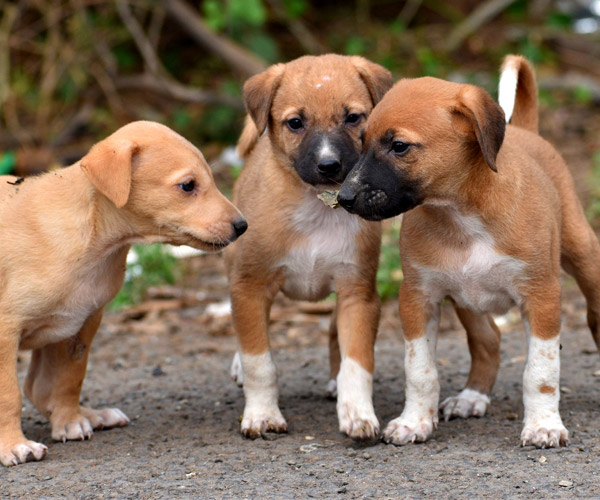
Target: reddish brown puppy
[(303, 138), (64, 238), (491, 212)]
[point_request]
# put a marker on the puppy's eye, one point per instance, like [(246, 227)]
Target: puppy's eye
[(353, 119), (400, 148), (295, 124), (188, 186)]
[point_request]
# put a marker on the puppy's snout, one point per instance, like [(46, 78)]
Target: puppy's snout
[(347, 198), (329, 166), (239, 227)]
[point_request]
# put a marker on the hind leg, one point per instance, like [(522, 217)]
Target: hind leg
[(54, 383), (580, 257), (335, 357), (484, 345)]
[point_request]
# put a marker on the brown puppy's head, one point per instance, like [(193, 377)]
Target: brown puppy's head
[(163, 188), (421, 142), (315, 109)]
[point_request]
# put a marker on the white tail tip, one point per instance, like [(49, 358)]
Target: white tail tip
[(507, 90)]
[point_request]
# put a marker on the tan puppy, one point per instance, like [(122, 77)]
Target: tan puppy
[(64, 237), (491, 212), (314, 109)]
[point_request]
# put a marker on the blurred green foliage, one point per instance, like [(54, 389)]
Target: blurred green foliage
[(593, 208), (63, 54), (154, 266), (389, 274)]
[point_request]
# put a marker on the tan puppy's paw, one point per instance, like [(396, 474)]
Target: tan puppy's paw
[(545, 435), (20, 452), (468, 403), (402, 431), (358, 422), (107, 418), (236, 371), (80, 424), (256, 424)]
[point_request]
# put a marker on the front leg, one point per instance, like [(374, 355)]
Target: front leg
[(14, 447), (543, 426), (420, 322), (54, 382), (357, 322), (251, 303)]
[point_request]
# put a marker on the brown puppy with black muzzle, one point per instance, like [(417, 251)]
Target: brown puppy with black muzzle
[(314, 109), (491, 212), (64, 238)]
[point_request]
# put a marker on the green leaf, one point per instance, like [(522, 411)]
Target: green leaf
[(251, 12), (295, 8), (356, 46), (263, 45), (214, 14), (8, 161)]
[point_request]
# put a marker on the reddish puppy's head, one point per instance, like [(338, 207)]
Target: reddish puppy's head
[(421, 142)]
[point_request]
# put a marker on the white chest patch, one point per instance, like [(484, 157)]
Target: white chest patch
[(476, 277), (326, 249)]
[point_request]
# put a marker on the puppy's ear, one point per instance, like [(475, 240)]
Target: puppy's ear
[(377, 79), (108, 166), (485, 118), (259, 92)]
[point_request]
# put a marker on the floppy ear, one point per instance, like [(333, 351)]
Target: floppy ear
[(485, 118), (377, 79), (259, 92), (108, 167)]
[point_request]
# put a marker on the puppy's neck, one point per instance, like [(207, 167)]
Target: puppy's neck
[(99, 227), (472, 188)]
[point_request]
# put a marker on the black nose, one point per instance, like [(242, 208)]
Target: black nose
[(346, 198), (239, 227), (329, 167)]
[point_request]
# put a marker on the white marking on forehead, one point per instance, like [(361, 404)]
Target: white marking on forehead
[(326, 78)]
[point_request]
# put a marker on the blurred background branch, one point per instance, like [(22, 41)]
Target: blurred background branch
[(71, 71)]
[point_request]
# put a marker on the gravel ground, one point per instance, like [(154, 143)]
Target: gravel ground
[(171, 378)]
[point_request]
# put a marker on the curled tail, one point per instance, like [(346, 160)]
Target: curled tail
[(517, 93), (248, 139)]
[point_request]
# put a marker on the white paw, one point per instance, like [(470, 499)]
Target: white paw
[(332, 389), (19, 453), (355, 402), (236, 371), (256, 424), (81, 425), (464, 405), (357, 420), (549, 434), (107, 418), (402, 431)]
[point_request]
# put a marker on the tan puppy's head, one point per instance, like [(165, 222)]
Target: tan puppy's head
[(421, 142), (315, 109), (163, 187)]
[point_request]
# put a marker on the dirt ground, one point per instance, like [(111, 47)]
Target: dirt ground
[(166, 362)]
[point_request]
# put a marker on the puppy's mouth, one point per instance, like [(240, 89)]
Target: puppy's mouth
[(205, 245)]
